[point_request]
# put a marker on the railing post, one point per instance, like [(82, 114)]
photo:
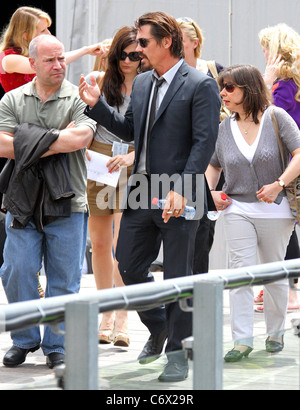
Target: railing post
[(81, 342), (208, 335)]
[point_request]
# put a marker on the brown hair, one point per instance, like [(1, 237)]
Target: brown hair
[(114, 78), (24, 20), (163, 25), (251, 81)]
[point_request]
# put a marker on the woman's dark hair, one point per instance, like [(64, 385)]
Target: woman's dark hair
[(251, 81), (114, 78), (163, 25)]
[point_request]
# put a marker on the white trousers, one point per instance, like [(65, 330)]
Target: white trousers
[(251, 241)]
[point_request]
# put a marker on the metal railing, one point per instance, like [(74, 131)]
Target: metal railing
[(81, 342)]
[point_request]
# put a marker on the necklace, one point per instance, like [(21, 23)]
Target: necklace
[(245, 130)]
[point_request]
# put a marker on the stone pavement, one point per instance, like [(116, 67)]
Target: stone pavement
[(120, 370)]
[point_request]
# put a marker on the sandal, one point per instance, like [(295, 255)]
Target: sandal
[(259, 299), (260, 309), (121, 339), (105, 336), (40, 289)]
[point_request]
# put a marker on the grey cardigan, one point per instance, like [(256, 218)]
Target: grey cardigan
[(242, 178)]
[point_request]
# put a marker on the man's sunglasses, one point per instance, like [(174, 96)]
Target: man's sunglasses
[(229, 87), (133, 56), (143, 42)]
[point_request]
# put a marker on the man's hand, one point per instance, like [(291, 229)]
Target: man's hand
[(174, 206), (90, 94)]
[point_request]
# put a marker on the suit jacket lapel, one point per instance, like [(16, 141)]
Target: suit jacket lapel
[(146, 96), (140, 129), (175, 85)]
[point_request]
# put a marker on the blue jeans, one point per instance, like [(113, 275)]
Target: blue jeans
[(62, 246)]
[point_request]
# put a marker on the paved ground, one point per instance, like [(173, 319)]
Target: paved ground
[(119, 369)]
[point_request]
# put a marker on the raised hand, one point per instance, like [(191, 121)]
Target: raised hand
[(272, 70), (90, 94)]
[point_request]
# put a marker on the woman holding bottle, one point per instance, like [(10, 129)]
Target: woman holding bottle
[(247, 151)]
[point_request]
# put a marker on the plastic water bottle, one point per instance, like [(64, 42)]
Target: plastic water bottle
[(188, 213), (214, 215)]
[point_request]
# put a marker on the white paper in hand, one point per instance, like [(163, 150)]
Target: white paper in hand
[(98, 171)]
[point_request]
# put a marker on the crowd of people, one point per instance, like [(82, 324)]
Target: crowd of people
[(153, 107)]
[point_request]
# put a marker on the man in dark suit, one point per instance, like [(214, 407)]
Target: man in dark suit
[(178, 144)]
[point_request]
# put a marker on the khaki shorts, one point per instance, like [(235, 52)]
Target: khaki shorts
[(104, 199)]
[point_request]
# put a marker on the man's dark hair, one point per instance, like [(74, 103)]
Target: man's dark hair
[(163, 25)]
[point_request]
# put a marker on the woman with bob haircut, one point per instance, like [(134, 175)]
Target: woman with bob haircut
[(257, 216)]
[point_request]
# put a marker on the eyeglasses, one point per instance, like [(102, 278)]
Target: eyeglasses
[(143, 42), (133, 56), (229, 87)]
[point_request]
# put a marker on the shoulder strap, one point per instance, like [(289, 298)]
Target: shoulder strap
[(276, 128)]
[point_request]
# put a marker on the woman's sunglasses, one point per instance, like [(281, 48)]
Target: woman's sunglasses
[(133, 56), (229, 87)]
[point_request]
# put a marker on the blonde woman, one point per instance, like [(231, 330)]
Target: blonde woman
[(25, 24), (281, 46), (193, 42)]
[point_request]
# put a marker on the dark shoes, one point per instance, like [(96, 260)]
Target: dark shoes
[(55, 359), (16, 356), (156, 267), (153, 348), (176, 370), (274, 347), (236, 355)]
